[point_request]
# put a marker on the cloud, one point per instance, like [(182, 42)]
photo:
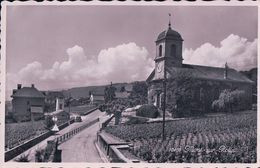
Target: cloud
[(127, 62), (238, 52), (123, 63)]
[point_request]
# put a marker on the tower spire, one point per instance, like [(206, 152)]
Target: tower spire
[(169, 21)]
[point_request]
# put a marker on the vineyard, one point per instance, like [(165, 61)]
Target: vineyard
[(219, 139), (17, 133)]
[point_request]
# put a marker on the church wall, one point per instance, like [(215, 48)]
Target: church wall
[(154, 89), (204, 93)]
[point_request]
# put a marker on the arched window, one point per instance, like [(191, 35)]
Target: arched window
[(160, 50), (173, 50)]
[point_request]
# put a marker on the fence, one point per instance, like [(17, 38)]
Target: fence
[(90, 111), (106, 122), (71, 133)]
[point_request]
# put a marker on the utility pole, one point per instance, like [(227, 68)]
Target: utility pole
[(164, 90), (164, 101)]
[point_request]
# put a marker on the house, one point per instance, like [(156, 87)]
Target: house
[(169, 63), (27, 103), (51, 98)]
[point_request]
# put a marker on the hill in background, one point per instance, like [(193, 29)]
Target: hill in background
[(252, 74), (82, 92)]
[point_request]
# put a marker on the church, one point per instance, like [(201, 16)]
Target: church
[(169, 62)]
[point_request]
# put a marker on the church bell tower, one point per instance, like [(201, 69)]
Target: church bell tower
[(168, 51)]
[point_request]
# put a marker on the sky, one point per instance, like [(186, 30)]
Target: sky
[(57, 47)]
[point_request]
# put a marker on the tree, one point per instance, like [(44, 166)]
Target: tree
[(109, 93), (48, 122), (147, 110), (228, 100), (180, 86), (139, 93), (122, 89)]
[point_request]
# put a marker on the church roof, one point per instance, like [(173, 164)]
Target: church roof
[(169, 34), (207, 73), (31, 92)]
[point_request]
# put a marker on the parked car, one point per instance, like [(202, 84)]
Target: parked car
[(78, 119)]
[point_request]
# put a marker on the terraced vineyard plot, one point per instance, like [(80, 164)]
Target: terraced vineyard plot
[(16, 133), (223, 139)]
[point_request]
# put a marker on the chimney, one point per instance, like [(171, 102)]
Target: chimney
[(226, 71), (14, 91), (19, 86), (32, 85)]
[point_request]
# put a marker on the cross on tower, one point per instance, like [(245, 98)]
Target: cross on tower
[(169, 20)]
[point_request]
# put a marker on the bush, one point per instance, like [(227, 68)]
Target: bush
[(39, 155), (230, 101), (23, 158), (49, 122), (149, 111), (136, 120), (102, 107)]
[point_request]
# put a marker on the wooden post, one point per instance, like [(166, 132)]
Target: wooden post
[(164, 102)]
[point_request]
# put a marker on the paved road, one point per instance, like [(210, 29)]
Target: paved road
[(31, 151), (81, 147)]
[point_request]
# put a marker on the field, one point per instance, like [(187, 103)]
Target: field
[(219, 139), (17, 133)]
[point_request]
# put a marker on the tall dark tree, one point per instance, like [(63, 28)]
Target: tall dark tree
[(181, 87), (109, 93), (139, 92), (122, 89)]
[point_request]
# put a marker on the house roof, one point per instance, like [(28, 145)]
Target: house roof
[(206, 72), (31, 92)]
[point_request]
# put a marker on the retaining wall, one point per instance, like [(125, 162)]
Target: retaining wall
[(111, 148)]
